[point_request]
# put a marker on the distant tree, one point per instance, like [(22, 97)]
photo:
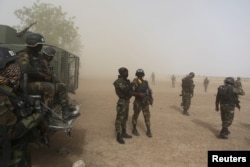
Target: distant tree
[(52, 23)]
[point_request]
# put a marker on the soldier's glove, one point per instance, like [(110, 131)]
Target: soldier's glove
[(217, 108), (151, 101), (238, 106)]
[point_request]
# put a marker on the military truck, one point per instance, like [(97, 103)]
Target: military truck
[(65, 67), (65, 64)]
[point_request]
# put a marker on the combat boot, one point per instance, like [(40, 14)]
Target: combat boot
[(223, 133), (227, 131), (125, 135), (119, 138), (185, 113), (148, 133), (134, 131)]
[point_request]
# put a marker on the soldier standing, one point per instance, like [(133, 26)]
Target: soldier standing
[(122, 89), (205, 83), (226, 100), (143, 98), (153, 78), (173, 81), (187, 92)]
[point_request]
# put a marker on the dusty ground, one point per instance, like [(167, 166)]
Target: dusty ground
[(177, 140)]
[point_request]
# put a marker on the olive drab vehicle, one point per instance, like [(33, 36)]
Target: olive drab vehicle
[(66, 69)]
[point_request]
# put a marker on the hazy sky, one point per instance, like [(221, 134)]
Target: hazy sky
[(208, 37)]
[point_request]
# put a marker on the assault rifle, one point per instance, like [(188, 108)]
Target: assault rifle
[(144, 88), (237, 102), (33, 103), (21, 33)]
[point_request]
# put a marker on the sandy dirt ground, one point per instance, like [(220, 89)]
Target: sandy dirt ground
[(178, 140)]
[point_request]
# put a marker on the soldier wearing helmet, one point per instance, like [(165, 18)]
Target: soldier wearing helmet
[(238, 83), (123, 91), (13, 128), (226, 101), (187, 92), (143, 98), (49, 53), (61, 91), (38, 82)]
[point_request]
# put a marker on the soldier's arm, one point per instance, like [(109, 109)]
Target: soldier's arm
[(24, 126), (217, 101)]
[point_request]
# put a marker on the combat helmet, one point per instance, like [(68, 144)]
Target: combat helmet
[(191, 74), (229, 80), (34, 39), (140, 73), (6, 56), (122, 69), (49, 51)]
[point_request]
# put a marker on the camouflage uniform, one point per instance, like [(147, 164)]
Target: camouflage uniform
[(16, 130), (38, 82), (61, 92), (141, 103), (227, 98), (122, 88), (29, 63), (187, 92), (13, 128), (60, 89)]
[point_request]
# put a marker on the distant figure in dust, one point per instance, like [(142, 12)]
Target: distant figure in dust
[(205, 83), (173, 78), (153, 78)]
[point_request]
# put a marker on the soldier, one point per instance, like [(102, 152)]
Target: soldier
[(61, 91), (14, 128), (143, 98), (187, 92), (153, 78), (173, 79), (238, 83), (205, 83), (122, 89), (38, 82), (226, 100)]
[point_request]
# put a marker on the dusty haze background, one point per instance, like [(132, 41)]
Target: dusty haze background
[(209, 37), (163, 36)]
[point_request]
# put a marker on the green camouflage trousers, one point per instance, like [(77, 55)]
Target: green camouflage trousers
[(186, 100), (138, 107), (122, 109), (7, 119), (227, 115), (16, 133)]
